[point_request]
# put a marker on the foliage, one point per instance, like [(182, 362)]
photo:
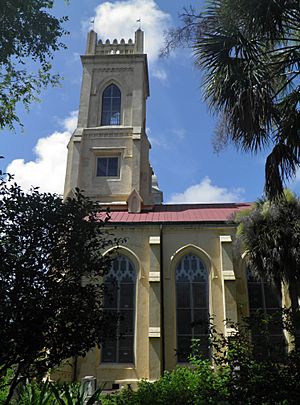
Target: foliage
[(36, 394), (74, 394), (238, 375), (4, 385), (47, 393), (191, 386), (29, 37), (51, 290), (270, 235), (250, 54)]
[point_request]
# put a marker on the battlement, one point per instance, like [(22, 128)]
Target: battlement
[(98, 47)]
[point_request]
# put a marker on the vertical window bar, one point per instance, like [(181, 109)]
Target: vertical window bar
[(111, 106), (123, 271)]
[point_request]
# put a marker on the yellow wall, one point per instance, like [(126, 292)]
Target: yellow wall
[(143, 249)]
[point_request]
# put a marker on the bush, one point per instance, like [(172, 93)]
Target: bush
[(48, 393), (240, 374), (195, 385), (4, 385)]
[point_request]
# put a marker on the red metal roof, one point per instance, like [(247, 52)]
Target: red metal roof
[(188, 213)]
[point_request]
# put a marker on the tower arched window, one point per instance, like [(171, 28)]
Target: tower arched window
[(111, 106), (265, 300), (192, 306), (119, 298)]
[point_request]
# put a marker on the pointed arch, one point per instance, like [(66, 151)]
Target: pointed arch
[(191, 269), (191, 248), (111, 105), (120, 297), (125, 251)]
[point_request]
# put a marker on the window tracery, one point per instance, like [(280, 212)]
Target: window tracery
[(119, 298), (192, 305)]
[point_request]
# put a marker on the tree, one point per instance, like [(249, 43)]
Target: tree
[(51, 293), (270, 235), (29, 36), (250, 55)]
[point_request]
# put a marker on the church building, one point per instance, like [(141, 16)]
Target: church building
[(176, 269)]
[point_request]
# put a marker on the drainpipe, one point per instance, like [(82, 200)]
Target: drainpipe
[(162, 306)]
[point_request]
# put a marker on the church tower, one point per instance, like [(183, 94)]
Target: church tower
[(108, 154), (176, 270)]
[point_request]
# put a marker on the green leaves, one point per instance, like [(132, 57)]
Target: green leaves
[(250, 56), (48, 393), (249, 52), (270, 235), (47, 247), (28, 34)]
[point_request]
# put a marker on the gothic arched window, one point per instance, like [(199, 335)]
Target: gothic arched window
[(192, 305), (120, 299), (265, 300), (111, 106)]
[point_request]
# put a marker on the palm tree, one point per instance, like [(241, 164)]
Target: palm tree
[(250, 54), (270, 234)]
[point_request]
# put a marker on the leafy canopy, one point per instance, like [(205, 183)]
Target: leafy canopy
[(250, 55), (29, 37), (51, 290), (270, 235)]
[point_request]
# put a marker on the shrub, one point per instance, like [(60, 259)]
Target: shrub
[(239, 375), (195, 385)]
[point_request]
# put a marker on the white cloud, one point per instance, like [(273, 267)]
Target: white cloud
[(180, 133), (159, 73), (119, 20), (206, 192), (162, 140), (70, 123), (47, 171)]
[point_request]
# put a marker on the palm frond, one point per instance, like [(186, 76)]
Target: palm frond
[(281, 165)]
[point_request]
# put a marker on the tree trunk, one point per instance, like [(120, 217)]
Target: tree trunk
[(295, 312)]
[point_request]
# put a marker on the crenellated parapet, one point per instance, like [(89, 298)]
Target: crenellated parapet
[(115, 47), (98, 47)]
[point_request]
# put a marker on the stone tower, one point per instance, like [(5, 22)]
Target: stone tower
[(108, 154)]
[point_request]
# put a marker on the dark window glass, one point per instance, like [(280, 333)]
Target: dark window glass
[(108, 166), (183, 295), (109, 354), (265, 299), (183, 347), (126, 294), (126, 349), (191, 306), (111, 106), (119, 297)]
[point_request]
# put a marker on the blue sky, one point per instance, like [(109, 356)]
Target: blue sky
[(180, 127)]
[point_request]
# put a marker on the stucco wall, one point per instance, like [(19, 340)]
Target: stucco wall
[(143, 249)]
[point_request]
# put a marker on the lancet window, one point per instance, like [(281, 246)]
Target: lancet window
[(192, 305), (265, 300), (111, 106), (120, 284)]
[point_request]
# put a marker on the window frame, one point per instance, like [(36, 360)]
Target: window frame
[(110, 156), (110, 111), (192, 307), (119, 309), (265, 309)]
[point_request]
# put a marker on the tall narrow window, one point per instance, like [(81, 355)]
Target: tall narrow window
[(265, 299), (111, 106), (191, 306), (120, 298)]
